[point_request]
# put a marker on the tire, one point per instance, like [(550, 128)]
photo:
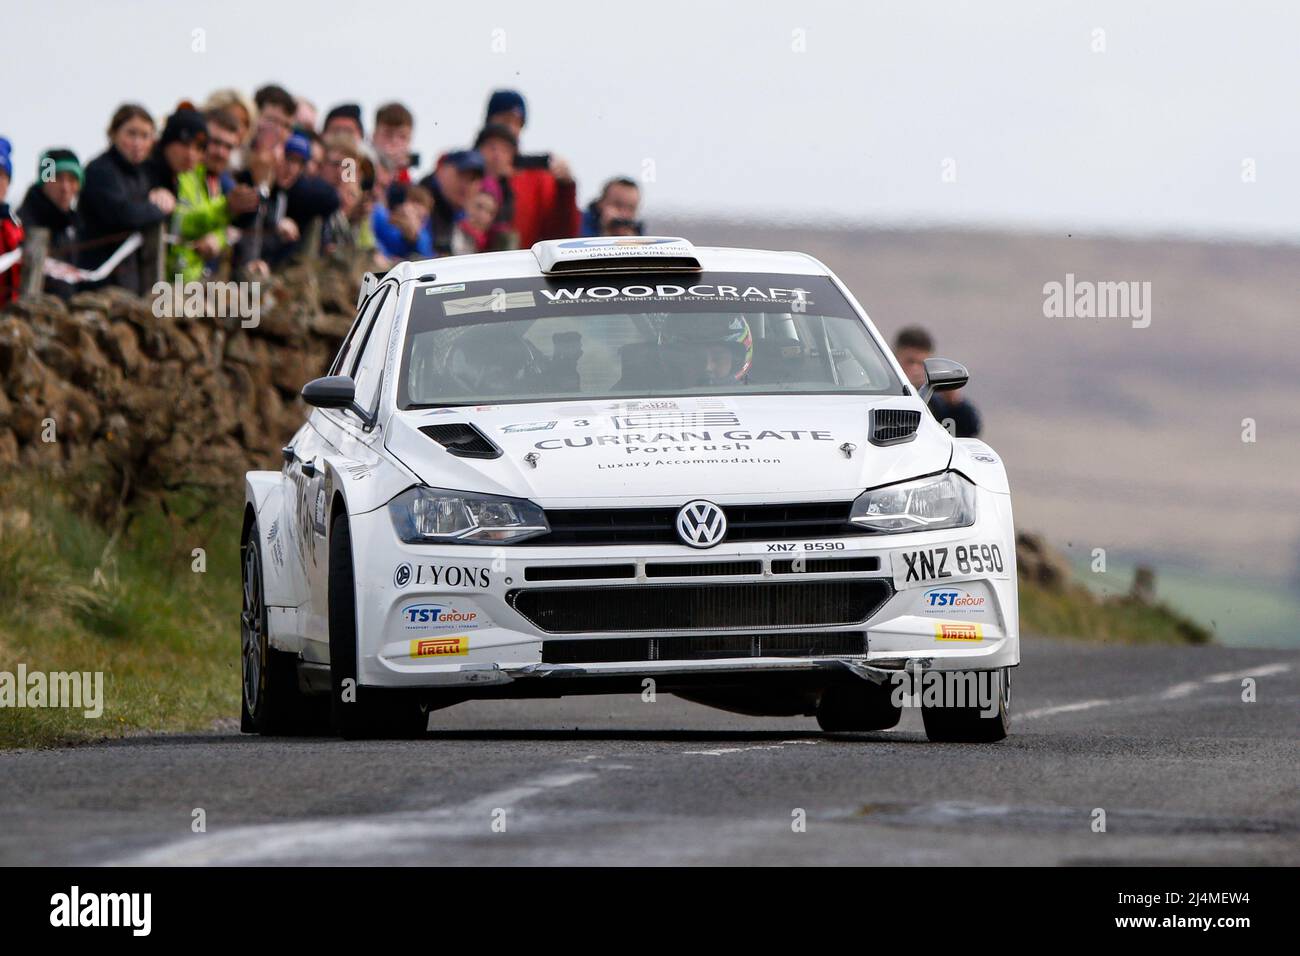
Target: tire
[(860, 705), (272, 703), (358, 713), (968, 725)]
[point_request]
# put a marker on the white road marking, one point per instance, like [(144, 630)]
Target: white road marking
[(1174, 692), (722, 751), (1061, 709), (355, 837)]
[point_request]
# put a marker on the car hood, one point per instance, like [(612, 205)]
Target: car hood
[(728, 449)]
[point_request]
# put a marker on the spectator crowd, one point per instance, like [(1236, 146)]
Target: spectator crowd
[(238, 183)]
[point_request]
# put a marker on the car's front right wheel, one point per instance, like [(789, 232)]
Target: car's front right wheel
[(359, 712)]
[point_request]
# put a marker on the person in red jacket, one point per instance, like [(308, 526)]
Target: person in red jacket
[(11, 230), (545, 195)]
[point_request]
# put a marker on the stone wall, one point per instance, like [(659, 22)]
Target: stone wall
[(161, 402)]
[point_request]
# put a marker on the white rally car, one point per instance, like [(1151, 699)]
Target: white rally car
[(615, 465)]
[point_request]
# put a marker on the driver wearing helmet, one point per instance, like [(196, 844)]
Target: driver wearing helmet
[(494, 362), (709, 349)]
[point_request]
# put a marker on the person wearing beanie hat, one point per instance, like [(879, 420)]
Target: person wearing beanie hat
[(507, 108), (11, 227), (346, 117), (50, 204), (180, 149)]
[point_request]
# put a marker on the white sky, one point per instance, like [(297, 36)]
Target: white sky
[(1148, 136)]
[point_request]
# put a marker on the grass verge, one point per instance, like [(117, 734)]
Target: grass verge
[(132, 605)]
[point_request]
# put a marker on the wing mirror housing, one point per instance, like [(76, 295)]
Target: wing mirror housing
[(943, 375), (335, 391)]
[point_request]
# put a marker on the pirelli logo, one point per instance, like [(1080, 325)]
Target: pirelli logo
[(958, 632), (439, 646)]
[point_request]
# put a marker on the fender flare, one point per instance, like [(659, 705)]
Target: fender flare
[(264, 497)]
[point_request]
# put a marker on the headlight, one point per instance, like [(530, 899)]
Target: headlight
[(926, 504), (431, 514)]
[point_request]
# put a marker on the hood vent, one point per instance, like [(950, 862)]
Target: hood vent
[(462, 440), (892, 426)]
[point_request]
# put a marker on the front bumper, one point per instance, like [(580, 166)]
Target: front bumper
[(453, 616)]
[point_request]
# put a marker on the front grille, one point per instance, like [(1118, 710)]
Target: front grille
[(705, 647), (825, 565), (578, 572), (587, 526), (700, 569), (688, 607)]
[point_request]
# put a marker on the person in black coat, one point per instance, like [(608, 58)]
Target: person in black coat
[(119, 196), (952, 409), (273, 233), (50, 204)]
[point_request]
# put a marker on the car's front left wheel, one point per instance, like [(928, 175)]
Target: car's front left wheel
[(272, 703)]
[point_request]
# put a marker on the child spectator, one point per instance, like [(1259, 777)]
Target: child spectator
[(406, 232), (474, 232), (11, 229), (50, 204), (499, 145), (120, 198)]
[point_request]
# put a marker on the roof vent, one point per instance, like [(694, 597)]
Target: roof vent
[(462, 440), (616, 254), (893, 426)]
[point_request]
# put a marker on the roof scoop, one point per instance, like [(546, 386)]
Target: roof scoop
[(616, 254)]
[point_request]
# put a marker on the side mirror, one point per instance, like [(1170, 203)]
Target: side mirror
[(336, 391), (943, 375), (332, 391)]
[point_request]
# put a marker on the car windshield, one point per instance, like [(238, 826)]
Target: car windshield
[(584, 337)]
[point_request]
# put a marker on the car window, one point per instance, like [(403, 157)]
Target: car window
[(572, 337), (369, 366), (346, 358)]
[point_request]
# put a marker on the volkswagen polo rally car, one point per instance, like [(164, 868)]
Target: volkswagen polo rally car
[(622, 465)]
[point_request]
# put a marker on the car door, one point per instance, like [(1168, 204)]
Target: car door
[(341, 432)]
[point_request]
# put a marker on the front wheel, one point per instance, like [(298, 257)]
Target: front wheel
[(359, 712), (860, 705), (272, 703), (972, 724)]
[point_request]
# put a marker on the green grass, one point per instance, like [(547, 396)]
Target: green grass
[(165, 637), (1242, 612), (1076, 613)]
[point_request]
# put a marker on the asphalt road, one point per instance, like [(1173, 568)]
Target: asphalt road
[(1158, 738)]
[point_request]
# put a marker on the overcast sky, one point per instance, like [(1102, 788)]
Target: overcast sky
[(860, 117)]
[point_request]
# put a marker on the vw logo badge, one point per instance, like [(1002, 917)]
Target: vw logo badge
[(402, 576), (701, 524)]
